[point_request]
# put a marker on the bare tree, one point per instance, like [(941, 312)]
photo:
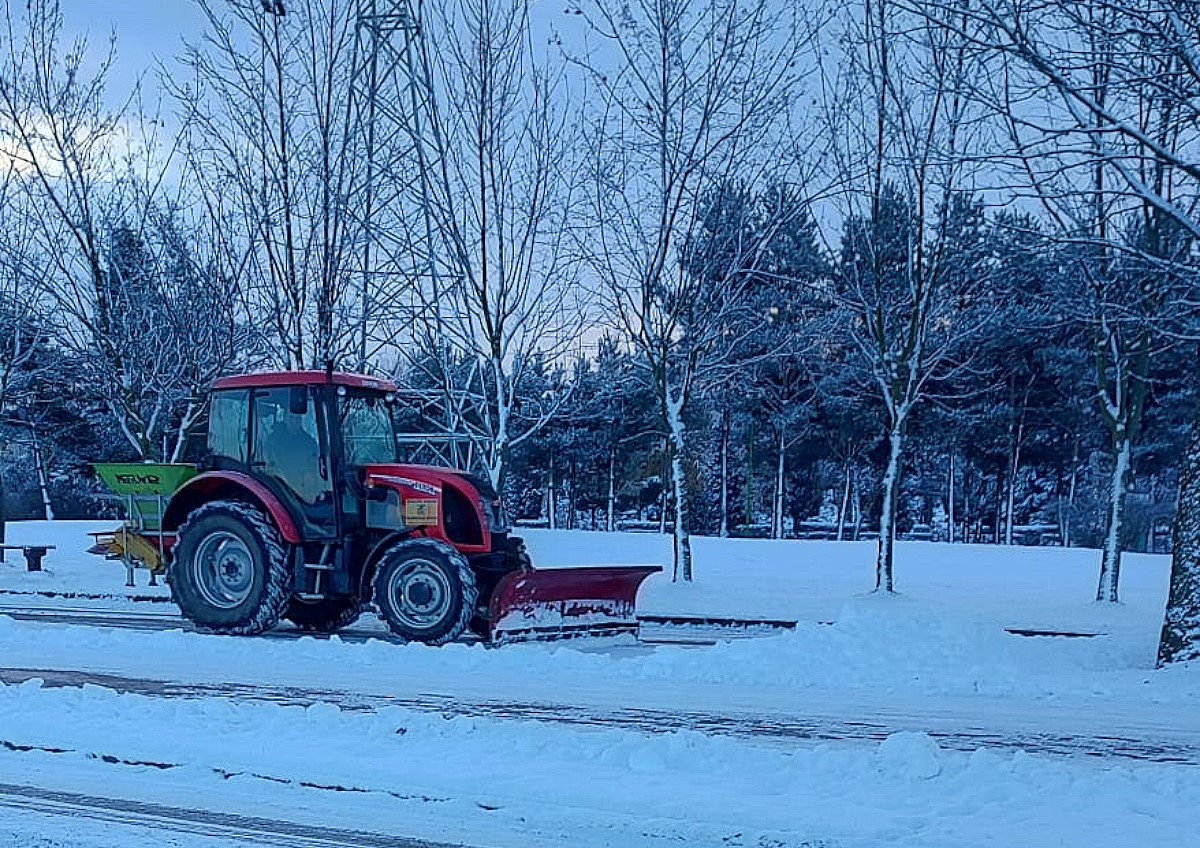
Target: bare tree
[(900, 130), (23, 324), (90, 172), (689, 94), (1111, 88), (277, 155), (1082, 184), (504, 291), (23, 320)]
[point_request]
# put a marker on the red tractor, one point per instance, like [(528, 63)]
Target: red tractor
[(303, 511)]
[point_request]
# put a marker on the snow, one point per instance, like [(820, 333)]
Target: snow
[(926, 722), (68, 570), (909, 755)]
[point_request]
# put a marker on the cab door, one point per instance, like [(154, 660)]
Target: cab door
[(289, 451)]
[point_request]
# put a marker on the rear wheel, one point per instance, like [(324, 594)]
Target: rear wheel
[(325, 616), (425, 591), (229, 569)]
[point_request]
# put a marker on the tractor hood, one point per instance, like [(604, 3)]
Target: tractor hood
[(429, 480), (432, 496)]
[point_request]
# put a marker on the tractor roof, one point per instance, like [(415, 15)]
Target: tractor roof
[(303, 378)]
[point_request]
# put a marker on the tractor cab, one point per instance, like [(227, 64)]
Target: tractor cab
[(309, 440)]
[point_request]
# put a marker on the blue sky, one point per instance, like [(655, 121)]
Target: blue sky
[(154, 30), (146, 30)]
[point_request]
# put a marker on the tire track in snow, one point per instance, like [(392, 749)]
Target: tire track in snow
[(678, 630), (664, 633), (761, 729), (209, 823)]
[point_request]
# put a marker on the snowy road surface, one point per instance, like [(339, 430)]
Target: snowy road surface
[(907, 721), (953, 730)]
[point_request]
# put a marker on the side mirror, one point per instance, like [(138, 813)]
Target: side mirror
[(298, 401)]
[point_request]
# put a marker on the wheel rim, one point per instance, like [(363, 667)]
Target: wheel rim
[(420, 594), (223, 570)]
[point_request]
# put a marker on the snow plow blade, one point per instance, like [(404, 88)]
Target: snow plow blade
[(561, 603)]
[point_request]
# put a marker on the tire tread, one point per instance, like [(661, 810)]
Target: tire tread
[(466, 580), (277, 590)]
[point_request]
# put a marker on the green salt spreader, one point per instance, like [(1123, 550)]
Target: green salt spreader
[(145, 489)]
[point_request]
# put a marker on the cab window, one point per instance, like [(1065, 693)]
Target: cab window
[(286, 441), (228, 424)]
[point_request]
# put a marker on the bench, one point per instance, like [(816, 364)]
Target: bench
[(33, 554)]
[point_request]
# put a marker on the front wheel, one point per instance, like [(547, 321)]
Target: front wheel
[(425, 591), (229, 572)]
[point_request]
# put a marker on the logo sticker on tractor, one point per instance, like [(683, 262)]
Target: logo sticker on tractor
[(418, 513), (423, 488), (137, 479)]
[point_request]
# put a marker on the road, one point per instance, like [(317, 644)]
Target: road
[(762, 729), (794, 721)]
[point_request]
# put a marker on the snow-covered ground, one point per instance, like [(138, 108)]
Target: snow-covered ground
[(916, 720)]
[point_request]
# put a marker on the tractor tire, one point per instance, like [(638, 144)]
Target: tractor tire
[(425, 591), (327, 616), (229, 572)]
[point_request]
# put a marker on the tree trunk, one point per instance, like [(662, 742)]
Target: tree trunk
[(43, 481), (683, 542), (966, 496), (950, 504), (571, 488), (662, 498), (1014, 468), (551, 498), (1011, 500), (777, 512), (725, 473), (3, 516), (1110, 564), (1180, 639), (610, 518), (1071, 493), (748, 519), (841, 528), (1062, 518), (858, 512), (887, 517), (999, 515)]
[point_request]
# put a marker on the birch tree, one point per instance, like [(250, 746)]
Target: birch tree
[(686, 95), (907, 154)]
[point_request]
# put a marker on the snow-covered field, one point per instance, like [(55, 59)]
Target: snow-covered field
[(918, 720)]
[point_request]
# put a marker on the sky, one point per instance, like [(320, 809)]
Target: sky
[(150, 31), (147, 31)]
